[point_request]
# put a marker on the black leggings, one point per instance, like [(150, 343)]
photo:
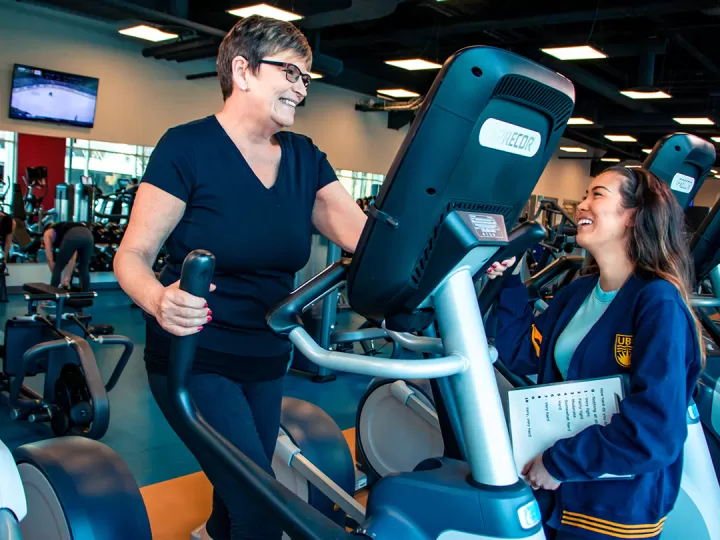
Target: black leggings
[(80, 240), (248, 415)]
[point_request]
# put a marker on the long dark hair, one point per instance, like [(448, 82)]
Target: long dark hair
[(657, 244)]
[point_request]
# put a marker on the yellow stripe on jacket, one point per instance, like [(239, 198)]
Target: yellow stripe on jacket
[(612, 528)]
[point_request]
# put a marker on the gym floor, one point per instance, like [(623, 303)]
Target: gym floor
[(177, 495)]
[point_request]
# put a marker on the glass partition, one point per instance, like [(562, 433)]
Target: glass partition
[(360, 185), (105, 163)]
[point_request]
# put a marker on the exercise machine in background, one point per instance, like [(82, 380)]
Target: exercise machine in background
[(69, 488), (75, 397)]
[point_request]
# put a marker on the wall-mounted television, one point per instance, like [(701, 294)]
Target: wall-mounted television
[(45, 95)]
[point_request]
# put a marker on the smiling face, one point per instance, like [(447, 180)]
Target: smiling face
[(603, 222), (273, 97)]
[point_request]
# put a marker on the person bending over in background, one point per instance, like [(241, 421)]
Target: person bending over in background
[(68, 243), (629, 314), (240, 186)]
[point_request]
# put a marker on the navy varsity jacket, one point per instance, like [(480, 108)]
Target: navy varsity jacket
[(648, 334)]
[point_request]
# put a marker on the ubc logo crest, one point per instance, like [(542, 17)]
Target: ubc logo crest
[(623, 350), (536, 338)]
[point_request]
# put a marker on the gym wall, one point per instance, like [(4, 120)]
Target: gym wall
[(140, 98), (565, 179), (709, 192), (35, 151)]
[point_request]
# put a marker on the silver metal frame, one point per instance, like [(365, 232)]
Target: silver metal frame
[(416, 343), (407, 396), (290, 453), (704, 301), (714, 276), (468, 363), (482, 419), (380, 367)]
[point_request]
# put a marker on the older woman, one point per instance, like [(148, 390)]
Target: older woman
[(237, 185)]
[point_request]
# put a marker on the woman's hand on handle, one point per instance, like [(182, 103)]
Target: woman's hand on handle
[(181, 313), (498, 268)]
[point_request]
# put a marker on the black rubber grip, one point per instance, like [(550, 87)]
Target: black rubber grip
[(195, 278), (520, 239), (299, 519), (552, 272), (285, 316), (554, 208)]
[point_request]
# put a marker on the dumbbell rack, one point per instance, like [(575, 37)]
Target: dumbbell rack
[(107, 239)]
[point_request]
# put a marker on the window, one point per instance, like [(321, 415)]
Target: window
[(105, 163), (8, 166), (360, 184)]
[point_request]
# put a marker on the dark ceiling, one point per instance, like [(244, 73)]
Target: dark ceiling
[(670, 44)]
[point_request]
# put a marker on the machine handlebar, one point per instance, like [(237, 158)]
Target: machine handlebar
[(520, 239), (285, 316), (299, 519)]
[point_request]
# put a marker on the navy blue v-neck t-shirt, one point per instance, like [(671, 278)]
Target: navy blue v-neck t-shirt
[(260, 237)]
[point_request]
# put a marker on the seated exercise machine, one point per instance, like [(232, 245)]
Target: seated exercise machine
[(397, 425), (74, 399), (560, 238), (443, 211)]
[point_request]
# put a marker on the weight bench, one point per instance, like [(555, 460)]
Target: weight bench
[(40, 292)]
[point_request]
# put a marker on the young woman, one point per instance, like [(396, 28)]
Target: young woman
[(627, 315)]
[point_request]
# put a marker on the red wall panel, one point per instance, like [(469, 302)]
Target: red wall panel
[(36, 151)]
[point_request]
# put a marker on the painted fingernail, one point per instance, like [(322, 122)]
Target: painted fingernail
[(209, 319), (206, 304), (209, 312), (200, 328)]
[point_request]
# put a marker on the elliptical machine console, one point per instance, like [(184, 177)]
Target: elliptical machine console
[(469, 163)]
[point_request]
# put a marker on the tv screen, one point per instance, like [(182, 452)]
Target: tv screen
[(52, 96)]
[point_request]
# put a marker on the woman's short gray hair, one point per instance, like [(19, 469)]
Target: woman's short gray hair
[(255, 38)]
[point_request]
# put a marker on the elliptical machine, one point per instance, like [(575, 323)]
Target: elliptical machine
[(397, 422), (443, 217), (69, 488), (74, 399)]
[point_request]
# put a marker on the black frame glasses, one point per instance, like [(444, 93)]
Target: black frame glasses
[(292, 72)]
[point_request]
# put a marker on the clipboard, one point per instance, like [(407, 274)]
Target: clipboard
[(542, 414)]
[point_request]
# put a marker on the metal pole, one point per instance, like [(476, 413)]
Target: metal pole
[(329, 310), (475, 390)]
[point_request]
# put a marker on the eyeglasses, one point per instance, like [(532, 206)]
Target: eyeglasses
[(292, 72)]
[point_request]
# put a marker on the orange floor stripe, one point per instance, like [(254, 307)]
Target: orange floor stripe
[(176, 507), (350, 438)]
